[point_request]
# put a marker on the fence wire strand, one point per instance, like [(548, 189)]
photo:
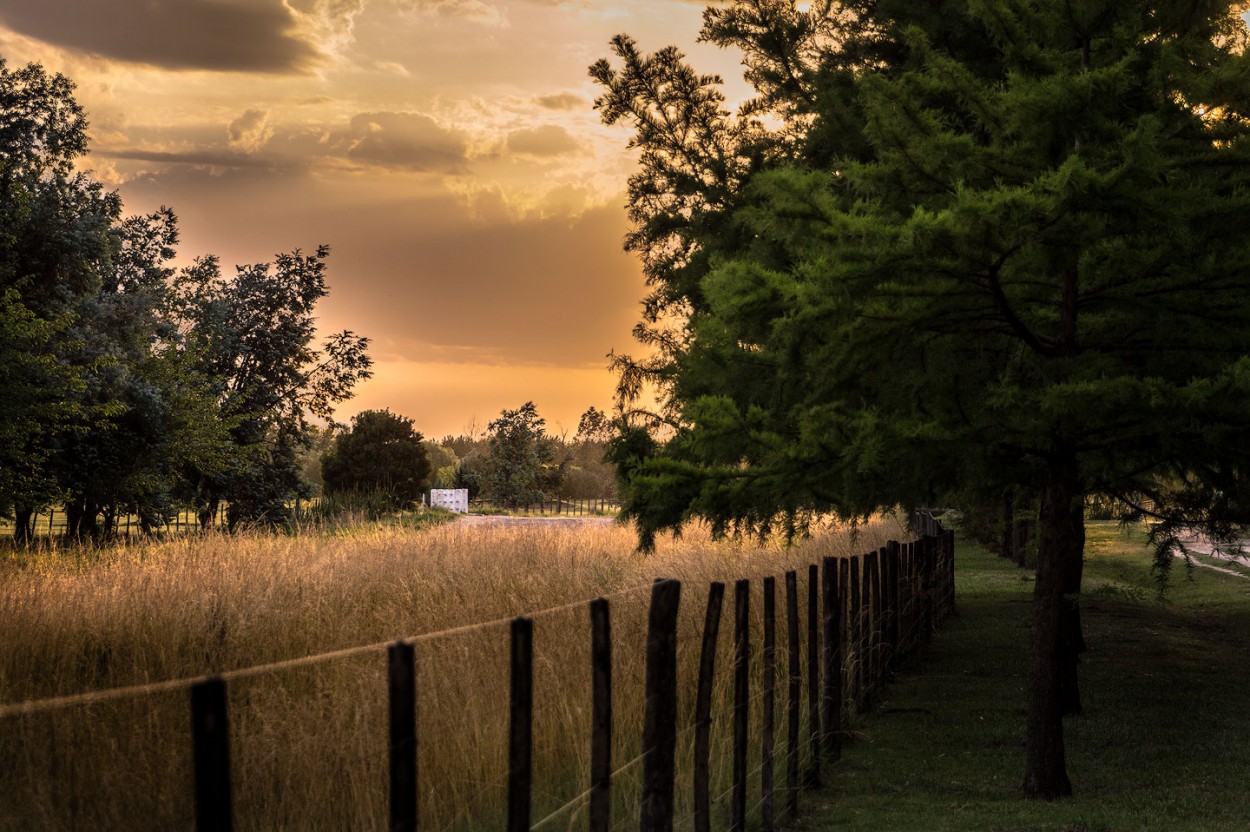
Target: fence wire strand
[(34, 706), (579, 798)]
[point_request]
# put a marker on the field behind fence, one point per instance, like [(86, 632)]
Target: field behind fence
[(319, 742), (51, 523)]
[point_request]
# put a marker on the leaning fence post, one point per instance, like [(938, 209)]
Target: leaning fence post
[(210, 747), (770, 681), (659, 729), (601, 717), (844, 636), (831, 710), (794, 672), (926, 584), (703, 708), (813, 677), (854, 638), (865, 633), (402, 689), (950, 569), (742, 667), (890, 579), (875, 606), (520, 733)]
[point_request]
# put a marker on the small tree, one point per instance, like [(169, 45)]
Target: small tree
[(382, 456), (521, 465)]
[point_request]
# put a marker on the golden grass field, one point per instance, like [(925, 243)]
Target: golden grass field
[(309, 743)]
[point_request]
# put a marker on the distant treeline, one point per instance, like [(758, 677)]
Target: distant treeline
[(382, 462), (134, 391)]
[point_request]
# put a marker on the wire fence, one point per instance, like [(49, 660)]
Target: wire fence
[(872, 612)]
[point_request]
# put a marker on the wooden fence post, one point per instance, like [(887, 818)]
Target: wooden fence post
[(601, 716), (872, 585), (770, 688), (865, 632), (520, 733), (659, 730), (402, 689), (210, 747), (854, 641), (742, 679), (926, 587), (703, 707), (813, 678), (950, 572), (845, 668), (794, 672), (831, 710), (906, 600), (891, 600)]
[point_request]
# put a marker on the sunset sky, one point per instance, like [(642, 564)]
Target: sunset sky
[(446, 150)]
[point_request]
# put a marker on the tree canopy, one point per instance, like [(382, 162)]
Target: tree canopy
[(950, 248), (521, 466), (132, 386), (382, 456)]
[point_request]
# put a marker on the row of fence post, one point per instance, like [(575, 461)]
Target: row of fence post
[(872, 610)]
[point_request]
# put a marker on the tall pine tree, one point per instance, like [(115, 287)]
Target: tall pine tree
[(993, 244)]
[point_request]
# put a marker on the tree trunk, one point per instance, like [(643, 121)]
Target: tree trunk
[(1007, 548), (1023, 531), (208, 514), (1071, 636), (23, 526), (1045, 774), (75, 511), (108, 522)]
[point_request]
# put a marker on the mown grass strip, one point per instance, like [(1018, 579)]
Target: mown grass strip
[(1163, 744)]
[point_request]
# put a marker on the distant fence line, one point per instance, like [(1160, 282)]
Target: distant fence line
[(555, 507), (52, 523), (865, 615)]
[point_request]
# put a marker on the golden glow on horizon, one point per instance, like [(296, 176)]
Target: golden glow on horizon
[(446, 150)]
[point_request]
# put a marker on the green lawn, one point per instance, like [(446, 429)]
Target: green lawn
[(1164, 744)]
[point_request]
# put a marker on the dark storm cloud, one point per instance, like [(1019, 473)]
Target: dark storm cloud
[(383, 141), (257, 36), (406, 141)]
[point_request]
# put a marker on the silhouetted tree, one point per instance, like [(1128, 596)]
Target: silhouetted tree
[(382, 456)]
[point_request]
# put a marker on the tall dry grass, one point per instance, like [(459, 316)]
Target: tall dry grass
[(309, 743)]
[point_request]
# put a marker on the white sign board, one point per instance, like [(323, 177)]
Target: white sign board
[(453, 499)]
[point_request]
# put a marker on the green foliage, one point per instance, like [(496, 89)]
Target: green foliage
[(254, 334), (382, 454), (443, 461), (521, 467), (975, 246), (129, 387), (57, 242), (1008, 245)]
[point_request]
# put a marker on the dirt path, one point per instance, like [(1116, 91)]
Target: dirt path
[(1198, 546)]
